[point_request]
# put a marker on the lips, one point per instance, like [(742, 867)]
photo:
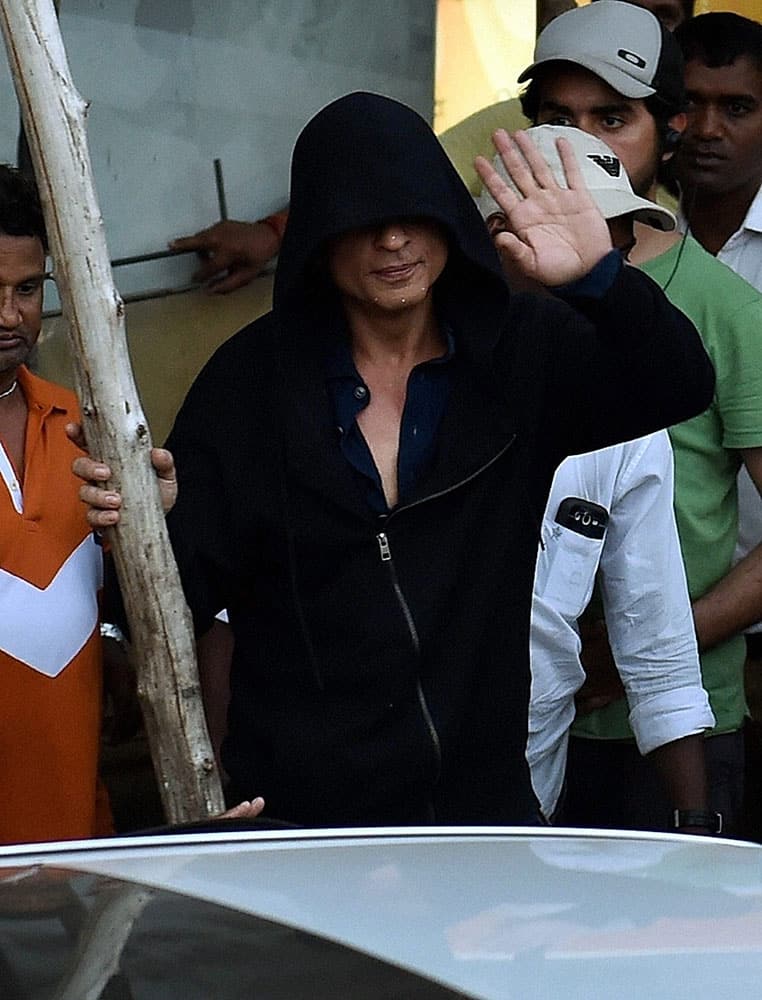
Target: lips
[(702, 157), (397, 272)]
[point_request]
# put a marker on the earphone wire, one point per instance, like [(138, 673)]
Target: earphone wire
[(686, 215)]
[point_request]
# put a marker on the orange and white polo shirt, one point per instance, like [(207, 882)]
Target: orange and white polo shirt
[(51, 571)]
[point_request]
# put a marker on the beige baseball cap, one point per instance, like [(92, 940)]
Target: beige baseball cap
[(602, 172)]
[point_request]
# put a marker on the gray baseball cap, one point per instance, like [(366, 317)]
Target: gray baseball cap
[(601, 169), (626, 46)]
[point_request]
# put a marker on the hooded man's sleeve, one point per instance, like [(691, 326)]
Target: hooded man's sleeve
[(623, 364)]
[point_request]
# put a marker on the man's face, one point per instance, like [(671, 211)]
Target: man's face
[(722, 145), (571, 95), (669, 12), (390, 267), (22, 270)]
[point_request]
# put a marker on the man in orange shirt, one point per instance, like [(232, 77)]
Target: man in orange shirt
[(50, 568)]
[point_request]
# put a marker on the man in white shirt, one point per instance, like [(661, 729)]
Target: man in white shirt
[(719, 162), (610, 513), (720, 171)]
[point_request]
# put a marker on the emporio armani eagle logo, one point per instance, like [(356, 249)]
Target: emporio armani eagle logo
[(610, 164)]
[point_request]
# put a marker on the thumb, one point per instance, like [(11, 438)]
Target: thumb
[(163, 463), (76, 435)]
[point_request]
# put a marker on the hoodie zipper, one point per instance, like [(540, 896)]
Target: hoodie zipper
[(386, 557), (385, 553), (456, 486)]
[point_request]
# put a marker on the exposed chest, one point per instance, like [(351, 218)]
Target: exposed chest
[(380, 423)]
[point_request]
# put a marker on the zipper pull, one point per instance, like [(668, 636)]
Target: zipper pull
[(383, 545)]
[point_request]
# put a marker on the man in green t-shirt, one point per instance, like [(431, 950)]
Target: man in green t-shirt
[(609, 70)]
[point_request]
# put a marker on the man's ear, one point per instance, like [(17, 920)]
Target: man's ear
[(675, 128)]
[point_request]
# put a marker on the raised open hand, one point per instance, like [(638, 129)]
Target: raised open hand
[(556, 234)]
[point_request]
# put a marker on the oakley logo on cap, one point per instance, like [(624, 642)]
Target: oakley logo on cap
[(632, 58), (610, 164)]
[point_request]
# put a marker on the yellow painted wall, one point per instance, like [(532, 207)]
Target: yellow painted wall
[(169, 340), (482, 46), (748, 8)]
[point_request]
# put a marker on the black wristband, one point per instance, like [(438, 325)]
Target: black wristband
[(703, 818)]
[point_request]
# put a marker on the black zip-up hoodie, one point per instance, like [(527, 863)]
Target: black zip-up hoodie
[(381, 671)]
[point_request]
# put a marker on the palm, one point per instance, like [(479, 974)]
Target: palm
[(556, 235)]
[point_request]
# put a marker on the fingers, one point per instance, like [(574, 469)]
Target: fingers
[(91, 469), (571, 167), (515, 164), (103, 504), (524, 165), (209, 244), (198, 241), (213, 268), (497, 186), (229, 280), (245, 810), (528, 168), (164, 466), (531, 169), (232, 253), (209, 240), (206, 241)]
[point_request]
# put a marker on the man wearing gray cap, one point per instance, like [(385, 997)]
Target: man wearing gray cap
[(610, 512), (612, 70)]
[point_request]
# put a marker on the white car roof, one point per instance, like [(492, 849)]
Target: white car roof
[(492, 912)]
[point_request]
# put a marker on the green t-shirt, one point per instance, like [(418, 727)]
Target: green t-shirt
[(727, 312), (473, 137)]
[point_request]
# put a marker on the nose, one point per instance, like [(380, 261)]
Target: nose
[(392, 236), (10, 314), (704, 122)]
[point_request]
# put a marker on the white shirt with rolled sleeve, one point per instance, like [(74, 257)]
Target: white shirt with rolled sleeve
[(645, 602)]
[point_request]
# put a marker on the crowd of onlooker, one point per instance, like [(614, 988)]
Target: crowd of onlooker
[(470, 537)]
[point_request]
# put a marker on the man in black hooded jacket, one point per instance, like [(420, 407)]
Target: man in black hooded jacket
[(362, 472)]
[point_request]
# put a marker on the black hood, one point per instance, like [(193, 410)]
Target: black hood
[(364, 159)]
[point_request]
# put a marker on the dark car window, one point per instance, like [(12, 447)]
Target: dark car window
[(63, 934)]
